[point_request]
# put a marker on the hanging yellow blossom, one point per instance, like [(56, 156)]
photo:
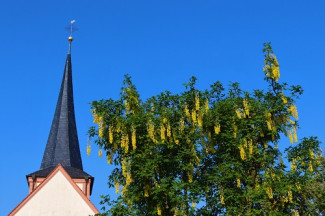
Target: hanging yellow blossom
[(298, 187), (181, 125), (127, 106), (250, 145), (269, 192), (128, 179), (293, 111), (294, 130), (164, 120), (124, 167), (169, 131), (110, 134), (197, 102), (242, 152), (159, 210), (176, 212), (290, 196), (268, 120), (311, 153), (291, 137), (193, 204), (109, 158), (246, 108), (151, 130), (100, 153), (88, 149), (134, 139), (296, 213), (194, 117), (235, 131), (217, 129), (126, 143), (162, 133), (206, 105), (117, 187), (293, 165), (238, 113), (284, 99), (101, 129), (146, 192), (187, 112), (222, 200), (190, 177), (199, 120), (238, 183)]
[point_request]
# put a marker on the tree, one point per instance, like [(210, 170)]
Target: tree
[(214, 149)]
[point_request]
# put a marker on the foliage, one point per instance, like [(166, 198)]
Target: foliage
[(209, 152)]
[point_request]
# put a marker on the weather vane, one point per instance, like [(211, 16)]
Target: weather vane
[(71, 29)]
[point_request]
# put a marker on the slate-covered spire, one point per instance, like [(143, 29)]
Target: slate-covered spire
[(62, 145)]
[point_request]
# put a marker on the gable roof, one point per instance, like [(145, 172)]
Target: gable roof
[(57, 169)]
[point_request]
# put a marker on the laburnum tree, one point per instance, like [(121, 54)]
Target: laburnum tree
[(209, 152)]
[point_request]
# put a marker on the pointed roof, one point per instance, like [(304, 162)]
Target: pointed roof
[(62, 144)]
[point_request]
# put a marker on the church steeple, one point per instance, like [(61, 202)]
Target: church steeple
[(62, 145)]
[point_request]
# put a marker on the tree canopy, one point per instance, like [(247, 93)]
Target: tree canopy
[(209, 152)]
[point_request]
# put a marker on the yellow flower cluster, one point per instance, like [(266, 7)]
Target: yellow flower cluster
[(242, 152), (269, 192), (162, 133), (197, 102), (290, 196), (238, 182), (272, 68), (269, 121), (222, 200), (125, 142), (284, 99), (193, 204), (246, 108), (110, 134), (235, 131), (88, 149), (194, 117), (217, 129), (311, 153), (151, 131), (206, 105), (181, 125), (169, 131), (100, 153), (159, 210), (238, 113), (199, 119), (109, 158), (295, 212), (293, 111), (134, 139), (293, 165), (187, 112), (176, 212), (293, 135), (250, 146), (127, 106), (117, 187)]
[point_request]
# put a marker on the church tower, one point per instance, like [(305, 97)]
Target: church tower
[(60, 186)]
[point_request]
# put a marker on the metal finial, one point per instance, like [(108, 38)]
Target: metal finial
[(71, 29)]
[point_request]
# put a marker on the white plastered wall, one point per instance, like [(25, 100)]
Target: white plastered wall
[(56, 198)]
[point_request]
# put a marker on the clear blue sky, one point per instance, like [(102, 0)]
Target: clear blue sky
[(161, 43)]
